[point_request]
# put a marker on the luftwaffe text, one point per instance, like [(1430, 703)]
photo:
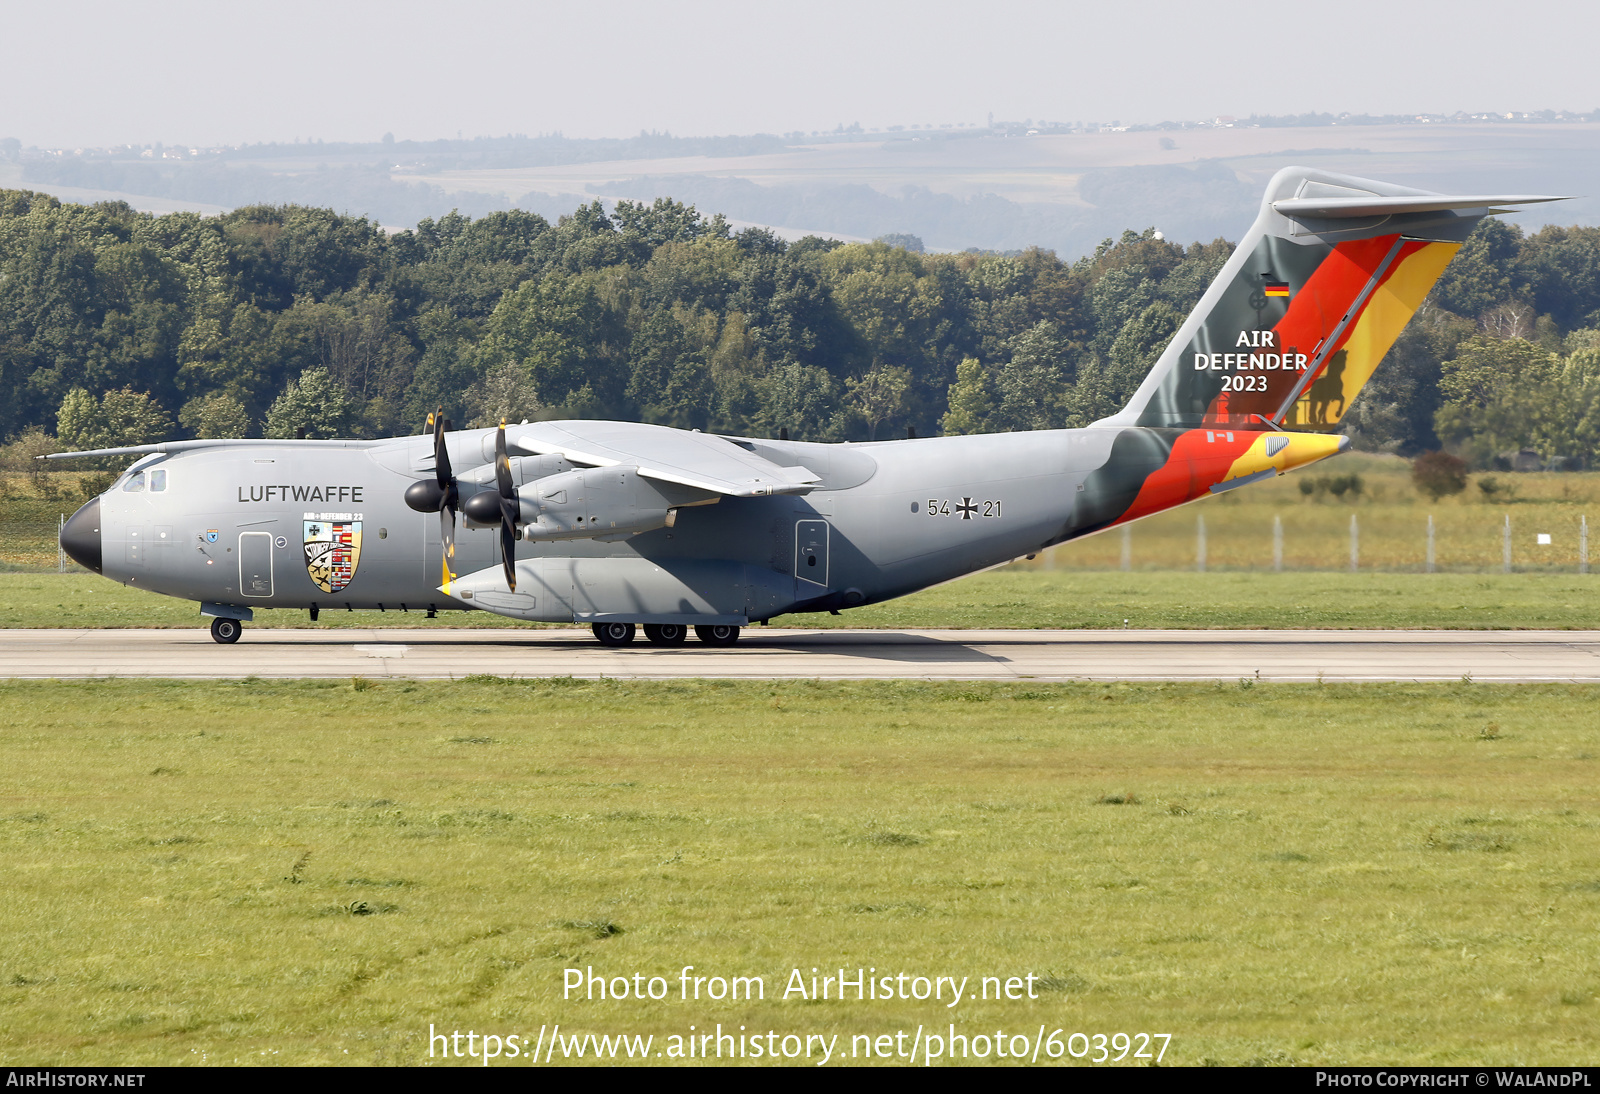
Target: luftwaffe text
[(248, 494)]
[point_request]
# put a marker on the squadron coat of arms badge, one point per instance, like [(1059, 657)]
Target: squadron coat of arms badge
[(333, 551)]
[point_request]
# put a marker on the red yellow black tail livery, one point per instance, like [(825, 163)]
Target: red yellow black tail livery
[(1317, 292)]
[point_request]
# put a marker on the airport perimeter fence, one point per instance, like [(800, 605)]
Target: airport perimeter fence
[(1459, 539), (34, 544), (1456, 540)]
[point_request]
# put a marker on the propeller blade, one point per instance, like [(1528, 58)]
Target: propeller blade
[(508, 552), (510, 507), (441, 453), (447, 537), (448, 492), (502, 465)]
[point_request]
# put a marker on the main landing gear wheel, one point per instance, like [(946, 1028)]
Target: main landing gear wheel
[(666, 634), (614, 634), (226, 631), (717, 635)]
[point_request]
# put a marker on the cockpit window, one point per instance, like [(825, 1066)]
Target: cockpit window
[(158, 480), (134, 484)]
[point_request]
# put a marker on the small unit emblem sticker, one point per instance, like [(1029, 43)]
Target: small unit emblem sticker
[(211, 535)]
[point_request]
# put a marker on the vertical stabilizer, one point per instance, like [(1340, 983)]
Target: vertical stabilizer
[(1317, 292)]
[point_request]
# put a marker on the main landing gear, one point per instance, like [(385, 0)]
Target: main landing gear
[(717, 635), (614, 634), (226, 631), (659, 634)]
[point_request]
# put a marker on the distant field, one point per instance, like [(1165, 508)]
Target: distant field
[(313, 873)]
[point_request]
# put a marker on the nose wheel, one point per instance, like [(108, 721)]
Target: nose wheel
[(226, 631)]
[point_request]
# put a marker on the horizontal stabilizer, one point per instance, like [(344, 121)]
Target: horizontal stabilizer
[(1340, 207)]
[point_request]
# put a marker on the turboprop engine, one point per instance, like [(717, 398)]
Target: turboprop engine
[(590, 503)]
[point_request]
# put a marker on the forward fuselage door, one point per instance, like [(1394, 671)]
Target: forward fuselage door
[(255, 563)]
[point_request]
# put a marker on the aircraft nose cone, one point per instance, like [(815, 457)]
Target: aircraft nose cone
[(80, 536)]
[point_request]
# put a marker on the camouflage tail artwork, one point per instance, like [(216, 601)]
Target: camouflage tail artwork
[(1279, 347)]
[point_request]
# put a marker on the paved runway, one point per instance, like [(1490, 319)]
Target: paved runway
[(774, 653)]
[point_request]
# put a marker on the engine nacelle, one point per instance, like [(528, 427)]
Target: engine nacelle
[(604, 502)]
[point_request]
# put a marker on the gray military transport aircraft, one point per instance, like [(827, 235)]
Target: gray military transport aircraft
[(620, 524)]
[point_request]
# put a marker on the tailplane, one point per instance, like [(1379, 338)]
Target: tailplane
[(1317, 292)]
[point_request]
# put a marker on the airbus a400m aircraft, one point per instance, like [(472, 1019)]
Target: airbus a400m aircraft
[(619, 525)]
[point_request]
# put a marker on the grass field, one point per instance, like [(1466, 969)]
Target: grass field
[(315, 872)]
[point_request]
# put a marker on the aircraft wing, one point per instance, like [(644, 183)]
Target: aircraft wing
[(701, 460)]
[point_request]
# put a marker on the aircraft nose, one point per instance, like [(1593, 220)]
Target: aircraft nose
[(80, 536)]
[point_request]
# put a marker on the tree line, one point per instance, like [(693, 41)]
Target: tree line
[(120, 327)]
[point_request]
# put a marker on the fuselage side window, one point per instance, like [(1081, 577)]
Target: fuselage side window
[(134, 483), (158, 480)]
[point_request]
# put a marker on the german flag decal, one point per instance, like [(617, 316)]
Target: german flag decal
[(1279, 289)]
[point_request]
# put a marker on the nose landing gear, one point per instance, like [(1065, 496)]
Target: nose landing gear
[(226, 631)]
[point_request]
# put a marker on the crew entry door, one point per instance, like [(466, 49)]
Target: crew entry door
[(255, 563), (811, 551)]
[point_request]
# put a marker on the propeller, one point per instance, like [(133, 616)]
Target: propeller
[(440, 495), (510, 507)]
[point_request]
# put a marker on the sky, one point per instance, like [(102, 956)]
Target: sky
[(97, 73)]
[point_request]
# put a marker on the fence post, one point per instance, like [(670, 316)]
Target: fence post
[(1127, 547), (1277, 544), (1505, 546), (61, 554), (1200, 543), (1583, 544), (1355, 544), (1430, 543)]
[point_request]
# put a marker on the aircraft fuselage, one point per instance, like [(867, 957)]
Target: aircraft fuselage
[(324, 525)]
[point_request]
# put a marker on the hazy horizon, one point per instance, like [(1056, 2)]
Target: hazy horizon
[(99, 74)]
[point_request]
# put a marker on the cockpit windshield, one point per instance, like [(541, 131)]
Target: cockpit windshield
[(136, 482)]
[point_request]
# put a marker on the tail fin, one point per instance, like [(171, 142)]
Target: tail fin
[(1315, 295)]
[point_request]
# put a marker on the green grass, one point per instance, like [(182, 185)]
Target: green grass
[(1008, 598), (1340, 874)]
